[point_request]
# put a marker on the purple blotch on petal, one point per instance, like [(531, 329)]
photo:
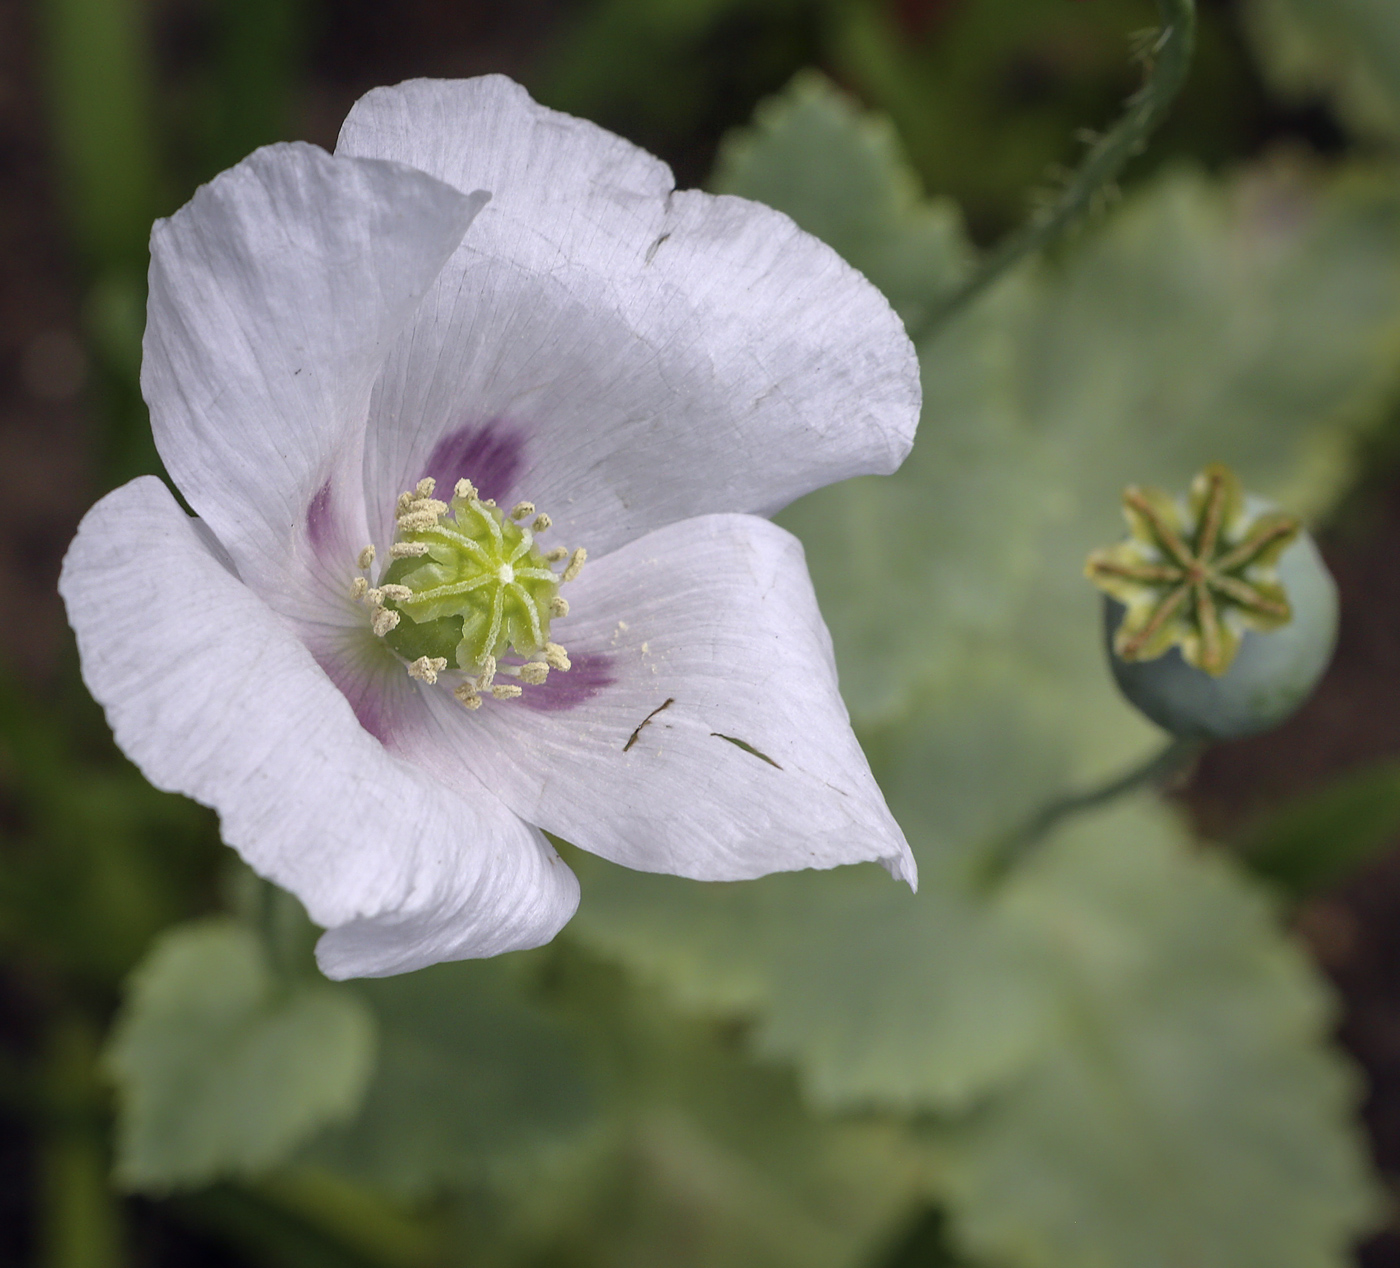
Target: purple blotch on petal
[(375, 691), (589, 674), (490, 456), (320, 526)]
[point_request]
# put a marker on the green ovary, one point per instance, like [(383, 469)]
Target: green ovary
[(482, 589)]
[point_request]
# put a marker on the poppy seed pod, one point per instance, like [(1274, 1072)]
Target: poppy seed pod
[(1220, 615)]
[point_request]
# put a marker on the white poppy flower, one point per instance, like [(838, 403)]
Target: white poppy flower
[(650, 370)]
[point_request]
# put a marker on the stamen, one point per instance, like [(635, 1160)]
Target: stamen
[(359, 588), (366, 557), (483, 586), (422, 517), (427, 668)]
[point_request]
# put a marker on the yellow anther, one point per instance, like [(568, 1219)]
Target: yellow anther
[(359, 588), (575, 565), (427, 668), (408, 550), (467, 696), (534, 673), (465, 490), (488, 672), (542, 522), (374, 597), (556, 657), (559, 606), (505, 691), (366, 557), (384, 620), (425, 487), (397, 593), (404, 502), (422, 517), (558, 553), (522, 510)]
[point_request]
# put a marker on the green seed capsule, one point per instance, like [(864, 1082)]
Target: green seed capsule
[(1220, 614), (1271, 675)]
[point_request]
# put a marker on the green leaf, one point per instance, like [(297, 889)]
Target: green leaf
[(1317, 839), (949, 535), (703, 1157), (473, 1075), (221, 1068), (1188, 1110), (1181, 330), (1348, 49), (842, 177), (1184, 330)]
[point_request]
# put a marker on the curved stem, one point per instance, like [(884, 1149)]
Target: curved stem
[(1168, 58), (1008, 851)]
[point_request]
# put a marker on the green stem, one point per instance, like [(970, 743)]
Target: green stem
[(81, 1220), (1168, 60), (1009, 851)]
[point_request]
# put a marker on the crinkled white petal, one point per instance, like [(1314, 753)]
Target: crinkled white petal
[(211, 695), (274, 295), (624, 355), (721, 748)]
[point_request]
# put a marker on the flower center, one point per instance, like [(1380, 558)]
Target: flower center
[(467, 586)]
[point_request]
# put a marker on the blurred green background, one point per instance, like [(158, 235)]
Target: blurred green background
[(1171, 1039)]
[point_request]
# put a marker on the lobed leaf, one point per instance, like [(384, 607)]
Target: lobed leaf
[(1187, 1110), (473, 1077), (222, 1069)]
